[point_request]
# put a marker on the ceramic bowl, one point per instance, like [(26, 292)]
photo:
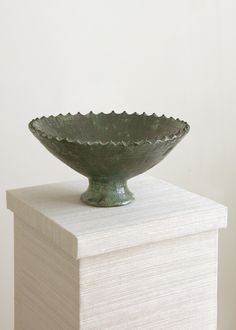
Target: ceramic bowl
[(109, 148)]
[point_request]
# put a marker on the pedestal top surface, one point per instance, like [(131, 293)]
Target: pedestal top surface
[(161, 211)]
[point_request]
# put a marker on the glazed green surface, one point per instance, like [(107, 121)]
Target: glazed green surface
[(109, 149)]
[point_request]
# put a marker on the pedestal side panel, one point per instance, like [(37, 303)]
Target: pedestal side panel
[(46, 283)]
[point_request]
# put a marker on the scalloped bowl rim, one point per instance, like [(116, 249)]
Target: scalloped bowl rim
[(169, 137)]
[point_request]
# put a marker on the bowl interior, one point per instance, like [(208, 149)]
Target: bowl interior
[(106, 127)]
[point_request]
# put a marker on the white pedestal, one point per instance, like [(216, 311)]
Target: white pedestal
[(148, 265)]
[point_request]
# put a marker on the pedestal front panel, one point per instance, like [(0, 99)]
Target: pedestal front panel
[(165, 285)]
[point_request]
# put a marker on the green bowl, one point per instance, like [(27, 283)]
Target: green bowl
[(109, 148)]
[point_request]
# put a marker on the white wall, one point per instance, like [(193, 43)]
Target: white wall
[(172, 57)]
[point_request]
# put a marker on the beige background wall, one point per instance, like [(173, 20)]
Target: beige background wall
[(172, 57)]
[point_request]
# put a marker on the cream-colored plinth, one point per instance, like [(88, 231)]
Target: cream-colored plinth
[(149, 265)]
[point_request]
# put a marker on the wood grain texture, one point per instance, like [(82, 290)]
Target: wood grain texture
[(169, 285), (161, 211), (46, 283)]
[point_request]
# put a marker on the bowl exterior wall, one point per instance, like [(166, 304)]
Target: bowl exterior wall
[(109, 161)]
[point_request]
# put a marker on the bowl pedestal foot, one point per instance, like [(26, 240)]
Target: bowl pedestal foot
[(107, 193)]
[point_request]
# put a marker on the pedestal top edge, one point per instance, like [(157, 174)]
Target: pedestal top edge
[(161, 211)]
